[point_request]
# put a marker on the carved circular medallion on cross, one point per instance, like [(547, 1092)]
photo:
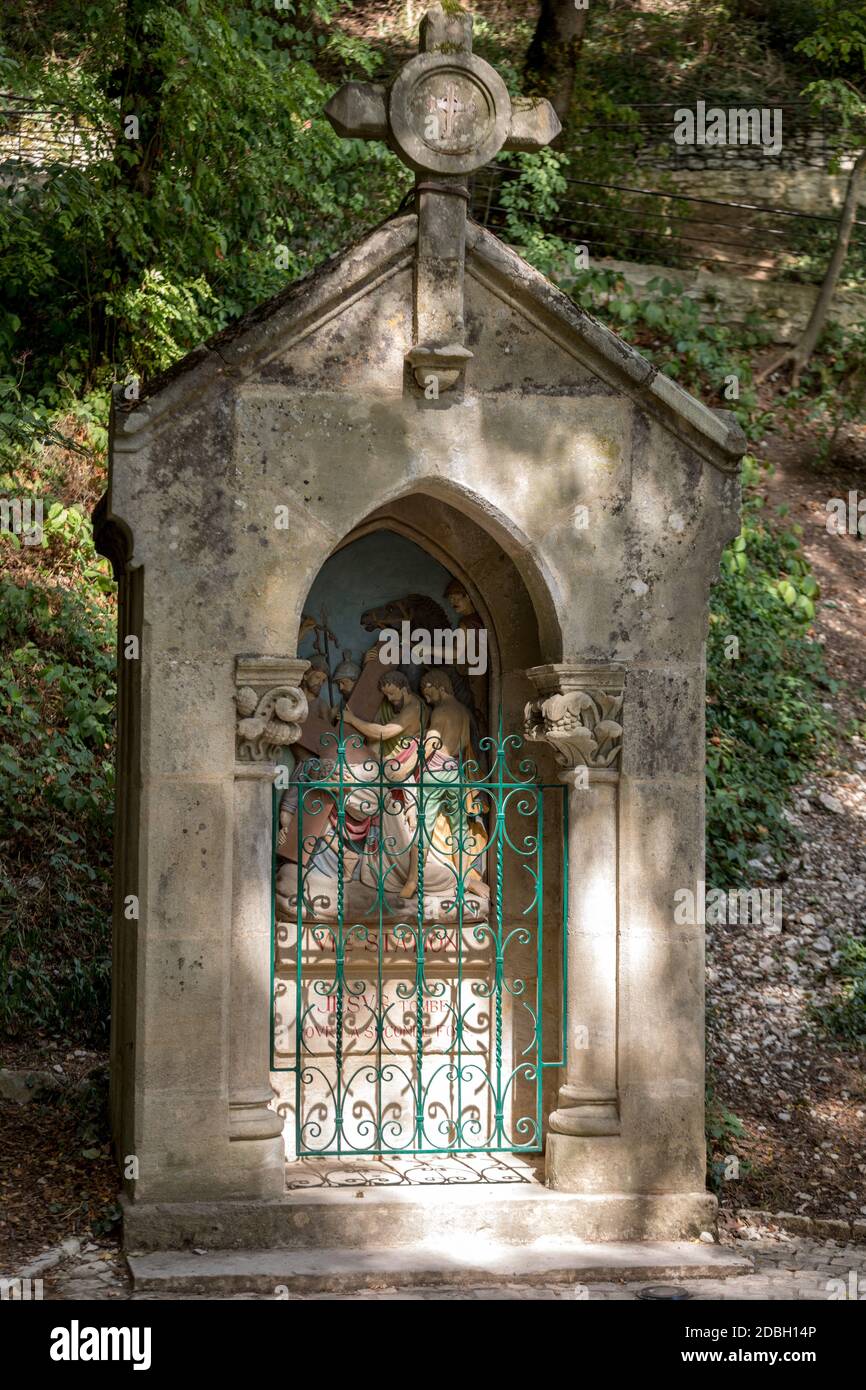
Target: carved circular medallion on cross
[(449, 114), (446, 114)]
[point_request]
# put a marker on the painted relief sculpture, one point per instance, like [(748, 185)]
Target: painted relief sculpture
[(381, 814)]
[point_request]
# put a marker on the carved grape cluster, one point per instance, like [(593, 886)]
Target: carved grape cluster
[(268, 723), (582, 728)]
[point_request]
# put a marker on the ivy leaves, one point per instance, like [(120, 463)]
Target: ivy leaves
[(168, 227), (765, 718)]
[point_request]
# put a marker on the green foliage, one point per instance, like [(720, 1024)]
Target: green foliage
[(235, 185), (780, 25), (837, 48), (24, 422), (56, 784), (639, 55), (765, 718), (118, 264), (808, 251), (631, 61), (528, 202), (721, 1127), (684, 334), (845, 1019)]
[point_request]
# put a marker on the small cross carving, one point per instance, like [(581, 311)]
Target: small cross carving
[(450, 105), (446, 114)]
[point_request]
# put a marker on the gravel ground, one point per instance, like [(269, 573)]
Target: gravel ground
[(800, 1095)]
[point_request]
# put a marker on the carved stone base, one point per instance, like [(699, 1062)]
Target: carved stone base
[(581, 1112), (250, 1116)]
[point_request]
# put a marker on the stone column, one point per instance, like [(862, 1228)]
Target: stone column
[(578, 713), (270, 710)]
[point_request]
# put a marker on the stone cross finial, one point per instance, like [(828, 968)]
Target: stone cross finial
[(446, 114)]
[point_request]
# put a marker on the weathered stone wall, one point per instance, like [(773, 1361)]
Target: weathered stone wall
[(796, 190), (805, 145)]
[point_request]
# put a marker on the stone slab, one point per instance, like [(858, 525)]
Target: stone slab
[(22, 1086), (405, 1217), (467, 1263)]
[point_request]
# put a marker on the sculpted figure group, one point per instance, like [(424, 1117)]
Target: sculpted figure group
[(399, 819)]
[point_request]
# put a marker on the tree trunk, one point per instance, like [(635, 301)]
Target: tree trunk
[(801, 352), (141, 94), (137, 86), (551, 60)]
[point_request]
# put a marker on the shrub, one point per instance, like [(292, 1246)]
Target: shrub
[(721, 1128), (765, 718), (56, 792), (845, 1019)]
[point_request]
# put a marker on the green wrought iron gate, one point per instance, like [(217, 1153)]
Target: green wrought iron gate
[(409, 955)]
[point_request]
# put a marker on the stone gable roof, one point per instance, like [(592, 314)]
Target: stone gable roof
[(272, 326)]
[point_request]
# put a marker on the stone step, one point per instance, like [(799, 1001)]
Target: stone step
[(340, 1270), (403, 1217)]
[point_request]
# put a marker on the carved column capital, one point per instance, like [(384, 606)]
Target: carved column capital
[(578, 712), (271, 706)]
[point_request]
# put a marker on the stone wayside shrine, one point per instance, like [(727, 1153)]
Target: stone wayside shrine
[(402, 922)]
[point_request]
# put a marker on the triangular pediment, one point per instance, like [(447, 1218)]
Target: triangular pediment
[(309, 313)]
